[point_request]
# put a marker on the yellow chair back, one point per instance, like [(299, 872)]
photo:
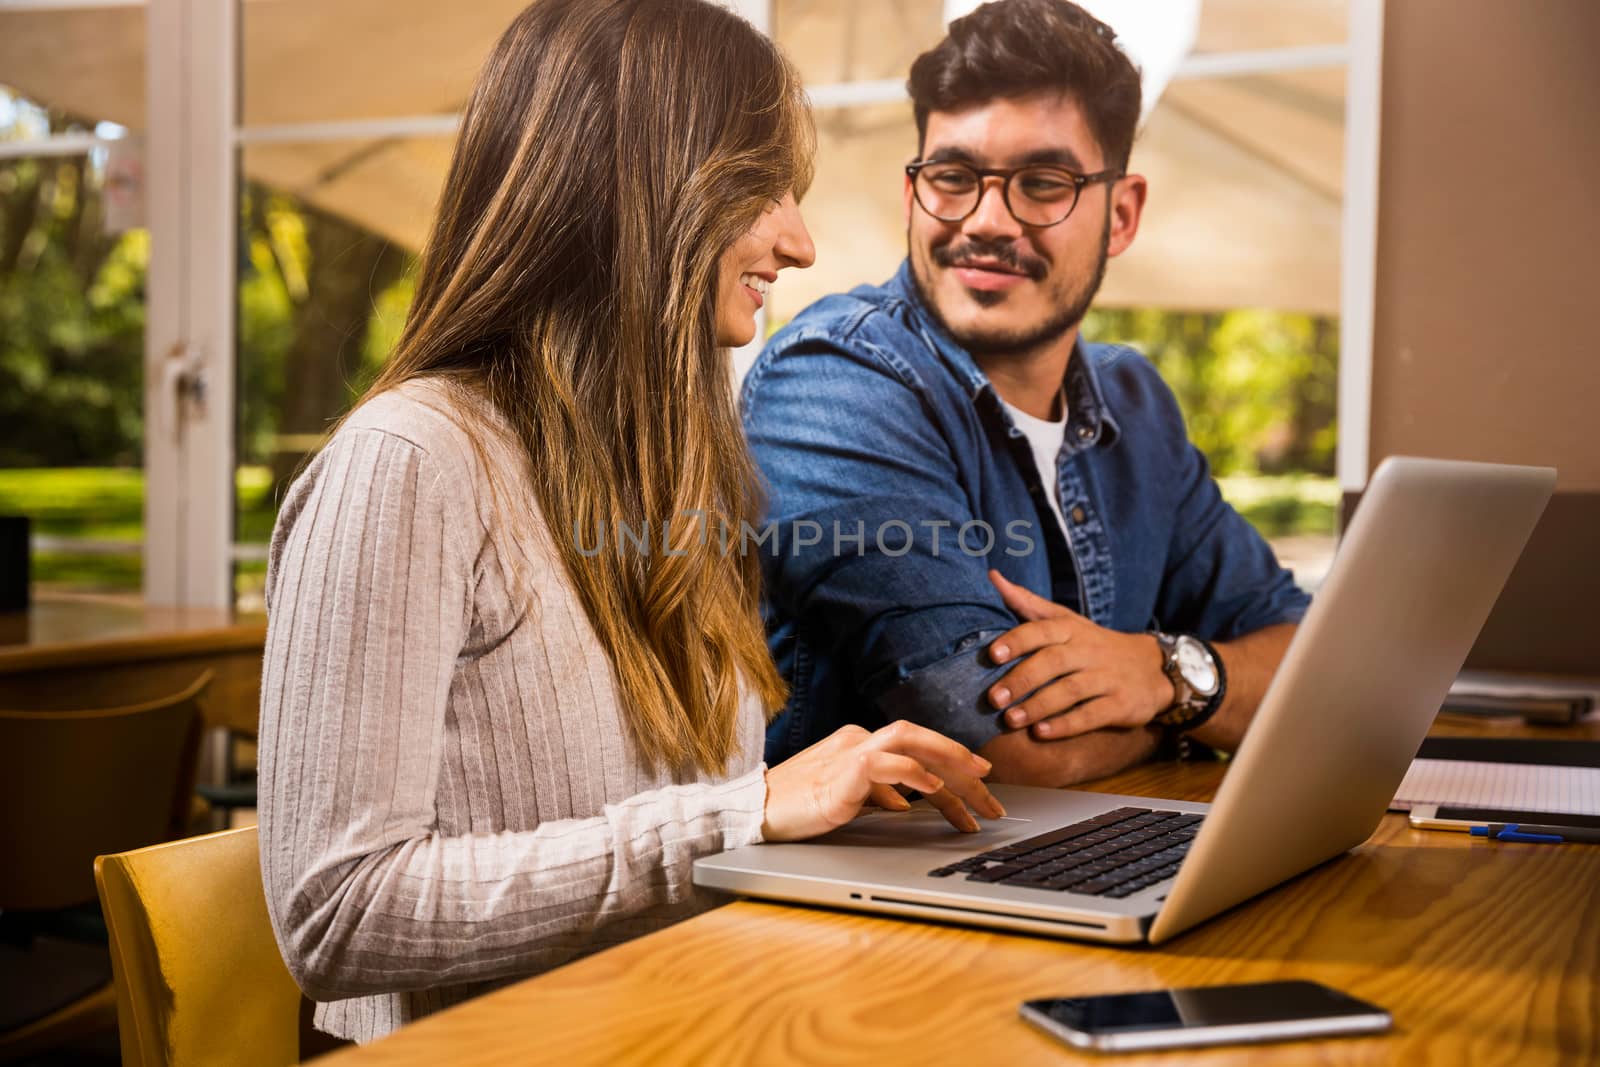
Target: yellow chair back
[(198, 975)]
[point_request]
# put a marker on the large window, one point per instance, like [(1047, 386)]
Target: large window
[(328, 155)]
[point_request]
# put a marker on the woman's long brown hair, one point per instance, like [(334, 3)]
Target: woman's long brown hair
[(611, 151)]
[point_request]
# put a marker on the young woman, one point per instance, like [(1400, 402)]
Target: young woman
[(486, 747)]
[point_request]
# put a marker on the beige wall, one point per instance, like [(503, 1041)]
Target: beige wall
[(1487, 335)]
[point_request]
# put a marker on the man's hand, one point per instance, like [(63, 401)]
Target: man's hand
[(1080, 678)]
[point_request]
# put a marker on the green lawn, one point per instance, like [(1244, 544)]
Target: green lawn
[(106, 503), (1286, 504)]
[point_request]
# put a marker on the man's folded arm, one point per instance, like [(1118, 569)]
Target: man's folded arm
[(868, 509)]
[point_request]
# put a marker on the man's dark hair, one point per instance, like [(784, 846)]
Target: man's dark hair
[(1011, 48)]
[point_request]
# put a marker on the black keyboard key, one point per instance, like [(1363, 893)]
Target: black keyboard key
[(1009, 852), (1031, 880), (1142, 867), (1060, 882)]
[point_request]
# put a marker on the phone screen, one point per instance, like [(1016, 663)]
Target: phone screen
[(1227, 1005), (1536, 818)]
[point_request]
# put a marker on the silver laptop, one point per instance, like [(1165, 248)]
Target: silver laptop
[(1413, 581)]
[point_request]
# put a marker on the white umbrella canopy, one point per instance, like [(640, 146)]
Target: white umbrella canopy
[(303, 61), (1244, 209), (1245, 172)]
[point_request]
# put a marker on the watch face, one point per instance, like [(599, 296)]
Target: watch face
[(1195, 664)]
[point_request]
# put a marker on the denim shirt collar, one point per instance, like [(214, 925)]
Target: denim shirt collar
[(1090, 421)]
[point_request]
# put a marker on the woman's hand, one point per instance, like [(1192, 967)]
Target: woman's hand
[(829, 783)]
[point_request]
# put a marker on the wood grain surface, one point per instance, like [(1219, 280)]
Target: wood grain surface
[(65, 630), (1485, 953), (72, 652)]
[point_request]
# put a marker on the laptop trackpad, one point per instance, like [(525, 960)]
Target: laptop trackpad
[(919, 826)]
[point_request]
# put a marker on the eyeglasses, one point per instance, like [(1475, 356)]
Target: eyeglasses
[(1039, 195)]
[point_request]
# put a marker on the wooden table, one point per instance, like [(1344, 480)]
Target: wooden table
[(70, 651), (1485, 953)]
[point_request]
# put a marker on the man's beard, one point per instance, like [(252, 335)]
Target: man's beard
[(1074, 305)]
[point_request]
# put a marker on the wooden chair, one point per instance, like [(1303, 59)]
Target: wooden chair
[(74, 785), (199, 977)]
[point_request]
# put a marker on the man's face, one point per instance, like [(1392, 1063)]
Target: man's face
[(997, 285)]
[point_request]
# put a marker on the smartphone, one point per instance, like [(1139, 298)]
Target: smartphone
[(1451, 817), (1209, 1015)]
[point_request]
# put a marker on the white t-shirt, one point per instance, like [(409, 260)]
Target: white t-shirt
[(1044, 440)]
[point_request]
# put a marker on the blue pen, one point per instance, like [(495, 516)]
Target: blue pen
[(1513, 832)]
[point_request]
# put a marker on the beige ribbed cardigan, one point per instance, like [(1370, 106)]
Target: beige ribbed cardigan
[(450, 797)]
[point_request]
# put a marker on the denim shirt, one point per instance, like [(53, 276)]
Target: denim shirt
[(896, 479)]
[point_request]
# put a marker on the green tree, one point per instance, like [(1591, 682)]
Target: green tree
[(71, 318), (1257, 388)]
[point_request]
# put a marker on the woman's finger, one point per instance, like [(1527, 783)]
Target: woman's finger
[(977, 796), (888, 797), (940, 754), (954, 810), (892, 769), (961, 769), (950, 796), (928, 745)]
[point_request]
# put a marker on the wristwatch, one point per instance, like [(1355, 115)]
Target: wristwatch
[(1197, 677)]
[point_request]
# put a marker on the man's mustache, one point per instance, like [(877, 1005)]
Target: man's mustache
[(1006, 253)]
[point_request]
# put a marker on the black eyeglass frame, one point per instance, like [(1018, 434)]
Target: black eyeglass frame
[(1005, 175)]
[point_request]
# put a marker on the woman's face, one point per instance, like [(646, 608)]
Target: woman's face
[(751, 264)]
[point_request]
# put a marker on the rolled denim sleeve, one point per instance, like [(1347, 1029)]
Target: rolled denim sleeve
[(947, 695), (866, 501)]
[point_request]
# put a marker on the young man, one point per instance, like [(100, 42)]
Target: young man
[(947, 458)]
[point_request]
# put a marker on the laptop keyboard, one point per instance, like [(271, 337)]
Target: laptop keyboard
[(1111, 855)]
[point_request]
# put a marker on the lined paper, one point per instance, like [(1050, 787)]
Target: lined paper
[(1508, 786)]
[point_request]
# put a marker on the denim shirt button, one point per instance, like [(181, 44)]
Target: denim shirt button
[(1078, 515), (1085, 432)]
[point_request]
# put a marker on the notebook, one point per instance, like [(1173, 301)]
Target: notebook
[(1559, 777)]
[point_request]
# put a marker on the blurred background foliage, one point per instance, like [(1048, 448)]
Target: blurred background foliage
[(321, 302), (1257, 388)]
